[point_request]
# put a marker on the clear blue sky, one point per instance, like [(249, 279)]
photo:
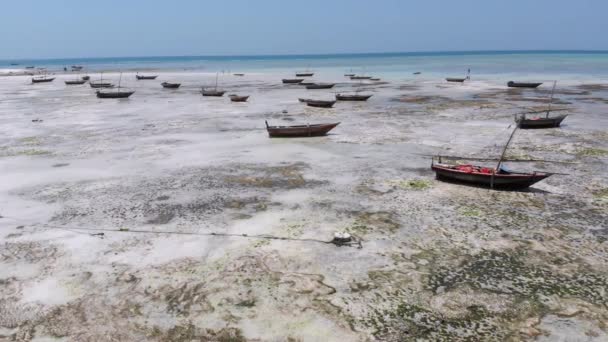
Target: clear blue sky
[(82, 28)]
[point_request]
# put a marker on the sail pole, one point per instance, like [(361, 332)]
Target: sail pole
[(504, 151), (551, 98)]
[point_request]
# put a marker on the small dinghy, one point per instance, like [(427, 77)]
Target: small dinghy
[(237, 98), (101, 84), (170, 85), (75, 82), (213, 92), (320, 86), (455, 79), (353, 97), (86, 77), (114, 94), (292, 80), (42, 79), (349, 75), (374, 79), (512, 84), (305, 74), (539, 122), (320, 103), (239, 74), (145, 77), (314, 130), (354, 77)]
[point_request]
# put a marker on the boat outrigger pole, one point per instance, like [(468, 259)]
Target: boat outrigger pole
[(504, 151)]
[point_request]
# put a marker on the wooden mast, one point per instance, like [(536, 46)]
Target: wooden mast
[(504, 151), (551, 98)]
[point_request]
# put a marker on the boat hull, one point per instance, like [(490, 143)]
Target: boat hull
[(171, 85), (101, 85), (512, 84), (292, 80), (540, 122), (214, 93), (43, 80), (239, 98), (360, 77), (305, 74), (300, 131), (452, 79), (114, 95), (79, 82), (352, 97), (320, 104), (497, 181), (320, 86), (145, 77)]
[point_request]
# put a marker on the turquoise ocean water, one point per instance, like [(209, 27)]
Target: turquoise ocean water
[(569, 64)]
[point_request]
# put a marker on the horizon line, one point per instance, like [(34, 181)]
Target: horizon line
[(337, 54)]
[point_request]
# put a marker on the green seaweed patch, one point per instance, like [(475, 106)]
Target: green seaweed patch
[(470, 211), (411, 322), (380, 221), (507, 273), (591, 152), (411, 184), (30, 140)]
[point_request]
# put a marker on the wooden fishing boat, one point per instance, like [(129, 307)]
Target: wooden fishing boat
[(349, 75), (353, 97), (86, 77), (494, 178), (487, 177), (101, 84), (237, 98), (42, 79), (512, 84), (213, 92), (320, 86), (455, 79), (304, 74), (114, 94), (76, 67), (314, 130), (374, 79), (239, 74), (292, 80), (417, 73), (320, 103), (354, 77), (170, 85), (539, 122), (145, 77), (75, 82), (304, 100)]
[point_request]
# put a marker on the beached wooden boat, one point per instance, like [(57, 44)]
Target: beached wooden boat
[(353, 97), (239, 74), (314, 130), (146, 77), (487, 177), (360, 77), (512, 84), (539, 122), (349, 75), (86, 77), (42, 79), (320, 103), (101, 84), (213, 92), (237, 98), (170, 85), (455, 79), (76, 67), (292, 80), (114, 94), (75, 82), (417, 73), (305, 74), (494, 178), (320, 86), (303, 100), (374, 79)]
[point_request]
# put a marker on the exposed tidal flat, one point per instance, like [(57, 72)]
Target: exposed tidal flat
[(184, 189)]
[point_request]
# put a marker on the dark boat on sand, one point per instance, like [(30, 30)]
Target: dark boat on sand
[(417, 73), (455, 79), (114, 94), (314, 130), (354, 77), (320, 86), (354, 97), (512, 84), (145, 77), (374, 79), (237, 98), (292, 80), (320, 103), (213, 92), (306, 83), (170, 85), (86, 77), (487, 177), (75, 82), (495, 178), (101, 84), (349, 75), (239, 74), (304, 100), (304, 74), (42, 79), (539, 122)]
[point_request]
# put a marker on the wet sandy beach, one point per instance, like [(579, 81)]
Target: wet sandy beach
[(161, 217)]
